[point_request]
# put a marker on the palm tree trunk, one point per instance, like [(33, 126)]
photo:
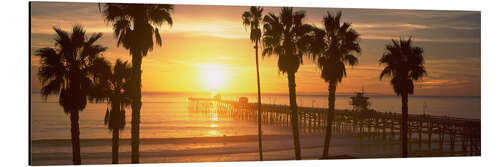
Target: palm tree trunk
[(404, 125), (75, 137), (259, 114), (293, 107), (116, 145), (136, 105), (331, 115)]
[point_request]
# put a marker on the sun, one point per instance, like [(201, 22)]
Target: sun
[(214, 79)]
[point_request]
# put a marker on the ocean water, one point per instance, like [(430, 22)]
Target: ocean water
[(162, 116), (170, 133), (452, 106), (165, 115)]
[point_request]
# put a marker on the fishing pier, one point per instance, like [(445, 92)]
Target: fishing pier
[(425, 132)]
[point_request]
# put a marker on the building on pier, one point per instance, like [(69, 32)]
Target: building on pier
[(360, 102)]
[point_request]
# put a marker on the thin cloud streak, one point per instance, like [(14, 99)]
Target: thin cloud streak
[(214, 35)]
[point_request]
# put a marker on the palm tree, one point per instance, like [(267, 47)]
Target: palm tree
[(404, 63), (252, 19), (113, 87), (332, 49), (67, 70), (135, 25), (288, 38)]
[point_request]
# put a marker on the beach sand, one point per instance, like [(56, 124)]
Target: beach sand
[(216, 149)]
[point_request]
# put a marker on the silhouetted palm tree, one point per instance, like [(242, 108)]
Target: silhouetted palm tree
[(332, 49), (113, 87), (135, 25), (404, 63), (67, 70), (252, 19), (288, 38)]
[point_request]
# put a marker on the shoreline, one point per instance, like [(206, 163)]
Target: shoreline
[(218, 149)]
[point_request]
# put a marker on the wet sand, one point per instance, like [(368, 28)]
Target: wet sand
[(217, 149)]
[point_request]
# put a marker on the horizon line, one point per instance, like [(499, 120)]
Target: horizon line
[(286, 93)]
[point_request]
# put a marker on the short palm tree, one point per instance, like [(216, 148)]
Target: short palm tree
[(333, 48), (288, 38), (67, 70), (135, 26), (113, 87), (252, 19), (404, 63)]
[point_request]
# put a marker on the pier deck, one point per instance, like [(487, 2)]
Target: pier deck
[(427, 132)]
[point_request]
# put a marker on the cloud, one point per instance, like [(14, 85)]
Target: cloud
[(225, 21), (215, 35), (385, 26), (213, 28)]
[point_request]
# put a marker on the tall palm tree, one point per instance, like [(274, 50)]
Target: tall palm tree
[(404, 63), (67, 70), (252, 19), (333, 48), (135, 25), (113, 87), (288, 38)]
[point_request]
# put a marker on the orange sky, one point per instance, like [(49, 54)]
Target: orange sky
[(210, 40)]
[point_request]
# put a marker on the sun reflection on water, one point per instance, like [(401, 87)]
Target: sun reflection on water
[(213, 132)]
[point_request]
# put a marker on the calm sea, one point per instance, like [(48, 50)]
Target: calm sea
[(165, 115)]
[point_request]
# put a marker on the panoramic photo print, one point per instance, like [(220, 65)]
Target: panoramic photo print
[(123, 83)]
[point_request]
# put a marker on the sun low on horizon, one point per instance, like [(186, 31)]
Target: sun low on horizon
[(214, 77)]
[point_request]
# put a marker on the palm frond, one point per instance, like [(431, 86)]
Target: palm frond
[(51, 64), (158, 14), (288, 38), (135, 25), (94, 37), (114, 11), (53, 87), (78, 36), (246, 16), (340, 42), (67, 70), (404, 63), (157, 37)]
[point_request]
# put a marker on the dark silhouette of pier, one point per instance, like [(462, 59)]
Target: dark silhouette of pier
[(427, 134)]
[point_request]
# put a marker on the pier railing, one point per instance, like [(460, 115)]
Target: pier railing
[(432, 133)]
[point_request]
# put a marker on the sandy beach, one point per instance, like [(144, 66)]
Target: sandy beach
[(215, 149)]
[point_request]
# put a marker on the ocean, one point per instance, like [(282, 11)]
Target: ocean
[(165, 117)]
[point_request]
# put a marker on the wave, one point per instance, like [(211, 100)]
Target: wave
[(204, 149), (243, 138)]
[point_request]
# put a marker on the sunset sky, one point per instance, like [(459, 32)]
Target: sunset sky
[(208, 49)]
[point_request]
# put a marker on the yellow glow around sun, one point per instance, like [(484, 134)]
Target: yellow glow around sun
[(214, 77)]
